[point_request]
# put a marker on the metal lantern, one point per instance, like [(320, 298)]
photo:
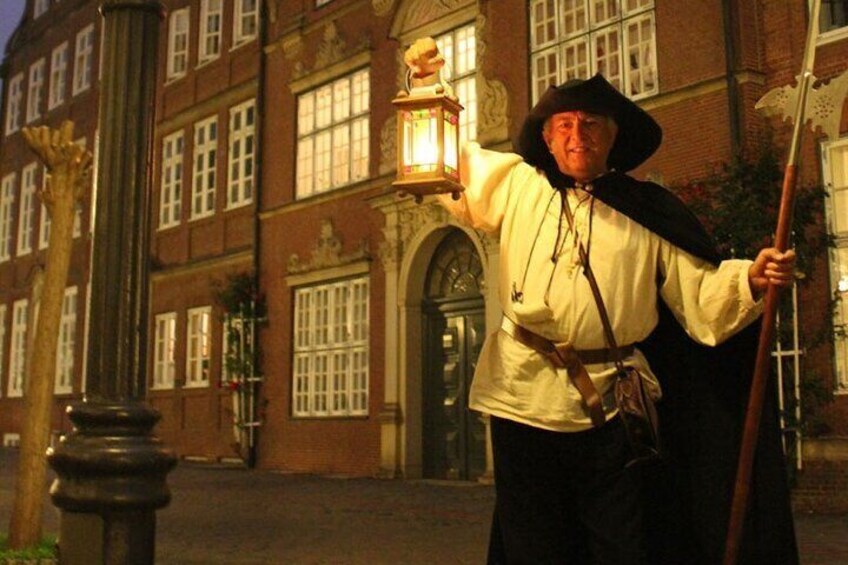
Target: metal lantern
[(428, 142)]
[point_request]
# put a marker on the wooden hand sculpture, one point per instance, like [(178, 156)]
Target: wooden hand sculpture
[(424, 60)]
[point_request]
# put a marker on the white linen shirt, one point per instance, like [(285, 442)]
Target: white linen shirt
[(632, 265)]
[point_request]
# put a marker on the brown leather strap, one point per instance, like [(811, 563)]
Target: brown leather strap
[(564, 356)]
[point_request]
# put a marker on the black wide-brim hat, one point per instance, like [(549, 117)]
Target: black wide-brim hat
[(638, 136)]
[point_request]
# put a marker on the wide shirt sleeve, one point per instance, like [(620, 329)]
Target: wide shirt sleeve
[(542, 287)]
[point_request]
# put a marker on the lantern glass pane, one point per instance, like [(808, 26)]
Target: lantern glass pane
[(451, 145), (421, 144)]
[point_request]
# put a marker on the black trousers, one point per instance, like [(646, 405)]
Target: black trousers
[(564, 498)]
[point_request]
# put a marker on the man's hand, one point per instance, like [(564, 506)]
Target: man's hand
[(423, 58), (771, 267)]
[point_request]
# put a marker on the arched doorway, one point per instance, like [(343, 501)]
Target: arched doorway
[(454, 437)]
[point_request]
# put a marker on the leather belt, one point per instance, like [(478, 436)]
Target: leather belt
[(564, 356)]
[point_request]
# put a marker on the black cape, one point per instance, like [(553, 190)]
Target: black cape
[(705, 394)]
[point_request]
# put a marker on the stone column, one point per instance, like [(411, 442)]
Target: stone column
[(111, 469)]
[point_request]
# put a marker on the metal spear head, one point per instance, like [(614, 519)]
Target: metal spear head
[(823, 108)]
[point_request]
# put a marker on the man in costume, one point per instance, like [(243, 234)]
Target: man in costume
[(564, 494)]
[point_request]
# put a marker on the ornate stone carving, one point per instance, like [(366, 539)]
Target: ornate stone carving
[(388, 146), (414, 13), (412, 220), (382, 7), (332, 48), (493, 102), (327, 253), (293, 47)]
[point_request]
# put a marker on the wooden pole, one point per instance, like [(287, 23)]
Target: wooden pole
[(741, 489)]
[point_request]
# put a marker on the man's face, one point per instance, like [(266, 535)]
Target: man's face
[(580, 142)]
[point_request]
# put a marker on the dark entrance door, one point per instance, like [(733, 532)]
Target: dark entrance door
[(454, 436)]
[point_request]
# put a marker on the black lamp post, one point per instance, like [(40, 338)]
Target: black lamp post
[(111, 469)]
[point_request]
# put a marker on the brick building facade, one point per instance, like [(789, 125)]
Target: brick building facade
[(275, 153)]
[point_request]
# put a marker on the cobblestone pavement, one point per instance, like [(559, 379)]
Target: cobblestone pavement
[(233, 516)]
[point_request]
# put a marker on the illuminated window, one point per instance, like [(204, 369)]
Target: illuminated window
[(13, 106), (240, 163), (331, 350), (83, 54), (578, 38), (205, 168), (26, 216), (171, 192), (165, 343), (178, 29), (18, 348), (7, 205), (35, 92), (210, 30), (459, 48), (197, 344), (835, 168), (67, 341), (58, 76), (332, 125)]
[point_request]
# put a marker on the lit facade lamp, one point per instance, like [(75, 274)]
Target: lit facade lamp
[(428, 137)]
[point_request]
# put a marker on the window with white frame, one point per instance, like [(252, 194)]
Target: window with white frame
[(35, 92), (178, 29), (240, 161), (331, 349), (197, 347), (77, 230), (332, 125), (2, 343), (171, 195), (245, 21), (165, 344), (205, 168), (459, 48), (833, 16), (83, 54), (7, 204), (46, 220), (58, 76), (578, 38), (210, 30), (835, 169), (67, 340), (13, 106), (40, 7), (26, 211), (17, 350)]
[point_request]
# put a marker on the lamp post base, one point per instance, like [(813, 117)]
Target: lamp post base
[(111, 473)]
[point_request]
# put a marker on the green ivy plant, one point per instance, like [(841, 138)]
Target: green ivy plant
[(738, 204), (238, 295)]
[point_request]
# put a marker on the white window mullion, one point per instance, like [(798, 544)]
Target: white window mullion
[(58, 76), (198, 341), (835, 176), (245, 21), (2, 344), (7, 205), (204, 179), (171, 188), (35, 90), (18, 349), (66, 344), (13, 106), (164, 354), (210, 30), (83, 54), (178, 43), (330, 372), (241, 154), (26, 214)]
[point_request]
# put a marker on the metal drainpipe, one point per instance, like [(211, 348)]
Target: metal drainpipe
[(257, 192), (730, 49)]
